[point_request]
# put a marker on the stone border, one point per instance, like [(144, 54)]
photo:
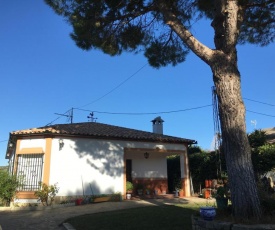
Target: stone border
[(199, 224), (36, 208)]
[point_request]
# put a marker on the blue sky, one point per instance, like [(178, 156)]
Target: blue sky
[(43, 73)]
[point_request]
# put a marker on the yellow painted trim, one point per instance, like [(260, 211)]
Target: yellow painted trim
[(47, 161), (27, 150), (30, 151), (46, 169)]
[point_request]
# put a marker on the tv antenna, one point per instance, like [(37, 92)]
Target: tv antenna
[(69, 115), (254, 122), (91, 117)]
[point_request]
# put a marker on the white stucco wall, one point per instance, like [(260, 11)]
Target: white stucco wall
[(33, 143), (153, 167), (82, 163)]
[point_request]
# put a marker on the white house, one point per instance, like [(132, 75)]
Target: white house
[(270, 135), (94, 158)]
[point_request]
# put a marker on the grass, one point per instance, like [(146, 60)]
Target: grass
[(157, 217), (161, 217)]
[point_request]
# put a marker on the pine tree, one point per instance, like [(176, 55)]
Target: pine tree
[(161, 29)]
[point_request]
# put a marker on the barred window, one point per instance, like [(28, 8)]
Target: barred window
[(29, 170)]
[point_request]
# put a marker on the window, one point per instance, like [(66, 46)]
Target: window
[(29, 169)]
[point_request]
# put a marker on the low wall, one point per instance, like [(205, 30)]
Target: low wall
[(199, 224), (158, 185), (34, 207)]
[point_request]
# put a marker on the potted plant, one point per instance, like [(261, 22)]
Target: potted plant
[(181, 193), (222, 197), (178, 189), (207, 212), (129, 189), (206, 193)]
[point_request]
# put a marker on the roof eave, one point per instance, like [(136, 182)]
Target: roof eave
[(155, 140)]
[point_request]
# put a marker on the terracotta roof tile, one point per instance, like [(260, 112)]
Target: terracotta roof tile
[(99, 130)]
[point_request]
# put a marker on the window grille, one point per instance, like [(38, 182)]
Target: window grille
[(29, 170)]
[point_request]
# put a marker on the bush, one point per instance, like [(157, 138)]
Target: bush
[(268, 206), (47, 193), (129, 186), (267, 200), (8, 186)]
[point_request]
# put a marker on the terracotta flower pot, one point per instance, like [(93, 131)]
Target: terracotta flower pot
[(207, 193), (78, 201)]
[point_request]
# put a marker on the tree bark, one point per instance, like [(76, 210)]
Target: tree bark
[(223, 63), (235, 145)]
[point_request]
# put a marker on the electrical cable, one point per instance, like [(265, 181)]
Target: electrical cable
[(258, 101), (152, 113), (112, 90), (99, 97), (267, 115), (149, 113)]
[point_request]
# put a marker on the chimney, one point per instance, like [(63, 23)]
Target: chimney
[(157, 125)]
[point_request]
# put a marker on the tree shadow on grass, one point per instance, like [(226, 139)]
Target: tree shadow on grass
[(160, 217)]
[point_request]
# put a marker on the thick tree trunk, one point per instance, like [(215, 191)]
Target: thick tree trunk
[(228, 16), (235, 145)]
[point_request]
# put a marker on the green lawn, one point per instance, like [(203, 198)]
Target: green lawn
[(158, 217)]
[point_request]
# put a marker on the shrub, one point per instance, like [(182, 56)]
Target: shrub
[(129, 186), (8, 186), (267, 200), (47, 193), (116, 197)]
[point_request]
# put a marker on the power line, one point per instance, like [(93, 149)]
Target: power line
[(71, 114), (112, 90), (149, 113), (258, 101), (161, 112), (260, 113), (153, 113)]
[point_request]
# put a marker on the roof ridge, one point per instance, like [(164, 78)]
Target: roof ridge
[(101, 130)]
